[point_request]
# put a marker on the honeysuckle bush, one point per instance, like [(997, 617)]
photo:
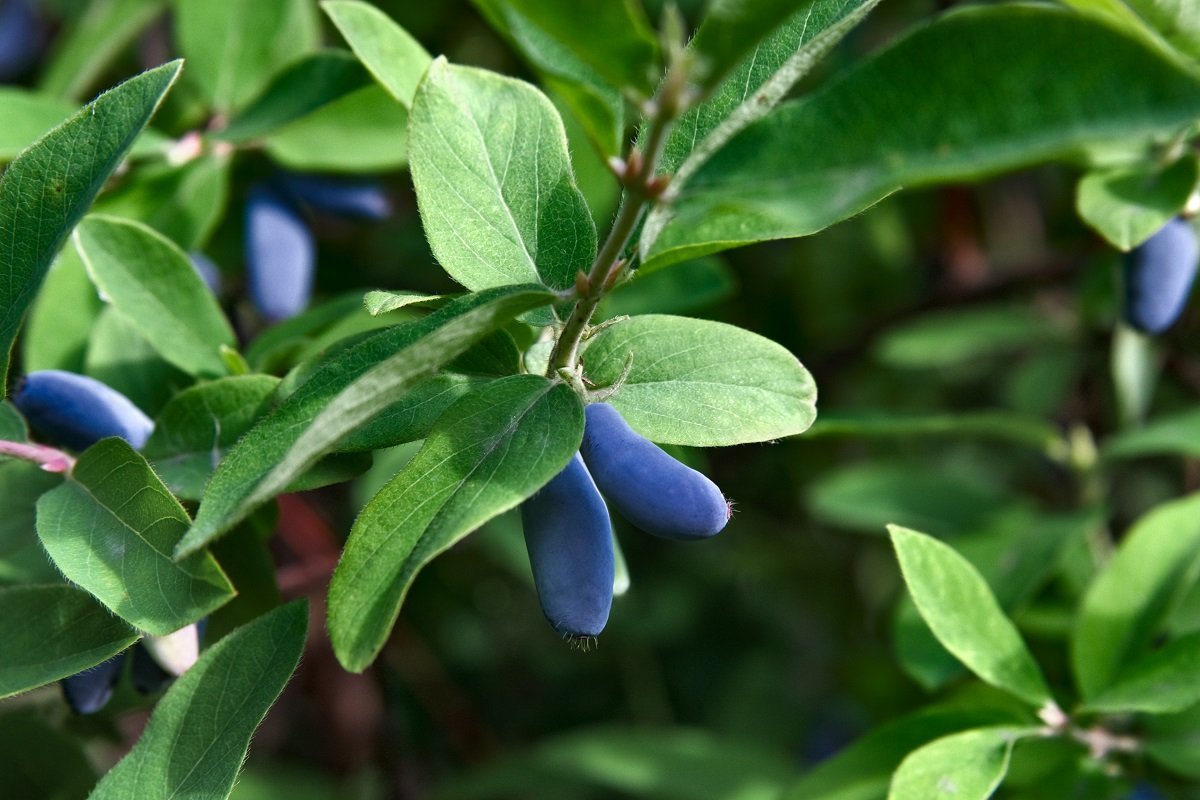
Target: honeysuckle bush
[(565, 187)]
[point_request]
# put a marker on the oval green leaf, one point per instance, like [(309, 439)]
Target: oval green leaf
[(701, 383)]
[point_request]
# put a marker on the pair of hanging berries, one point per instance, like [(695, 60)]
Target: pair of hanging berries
[(568, 532)]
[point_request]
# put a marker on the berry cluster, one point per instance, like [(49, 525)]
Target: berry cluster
[(568, 532)]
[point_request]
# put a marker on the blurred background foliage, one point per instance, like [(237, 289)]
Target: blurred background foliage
[(731, 666)]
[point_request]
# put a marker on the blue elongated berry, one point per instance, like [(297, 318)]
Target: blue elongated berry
[(356, 199), (77, 411), (280, 255), (569, 539), (89, 691), (20, 37), (1158, 276), (646, 486)]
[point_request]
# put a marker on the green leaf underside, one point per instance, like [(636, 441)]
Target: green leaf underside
[(303, 87), (395, 58), (197, 738), (1163, 682), (233, 48), (963, 766), (111, 529), (152, 284), (962, 612), (363, 132), (862, 770), (381, 302), (1127, 603), (412, 417), (196, 428), (52, 631), (345, 393), (816, 161), (1127, 205), (47, 189), (494, 184), (488, 452), (702, 383)]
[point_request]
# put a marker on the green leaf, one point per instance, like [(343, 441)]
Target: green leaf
[(701, 383), (47, 189), (1163, 682), (277, 348), (1177, 21), (962, 612), (54, 631), (1176, 434), (816, 161), (111, 529), (60, 320), (92, 41), (488, 452), (964, 336), (1127, 205), (233, 48), (1129, 601), (346, 392), (197, 738), (28, 115), (863, 769), (736, 33), (200, 424), (1000, 426), (395, 58), (866, 497), (412, 417), (184, 203), (1015, 555), (651, 763), (122, 358), (614, 40), (381, 302), (963, 766), (22, 559), (301, 88), (365, 131), (151, 282), (498, 199), (599, 106)]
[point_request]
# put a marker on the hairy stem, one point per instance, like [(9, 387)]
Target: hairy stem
[(642, 188)]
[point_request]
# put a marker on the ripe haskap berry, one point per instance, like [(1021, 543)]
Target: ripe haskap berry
[(280, 255), (1158, 276), (87, 692), (20, 37), (646, 486), (77, 411), (354, 199), (569, 539)]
